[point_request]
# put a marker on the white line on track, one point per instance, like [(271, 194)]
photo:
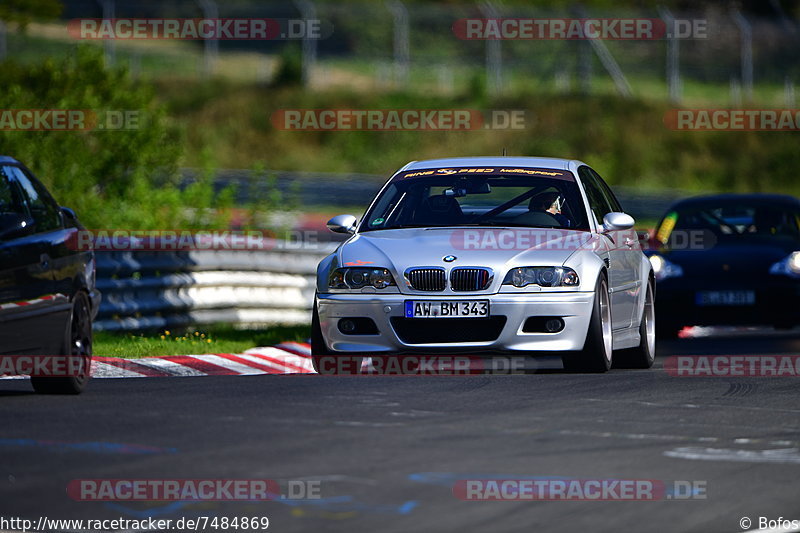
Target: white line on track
[(239, 368)]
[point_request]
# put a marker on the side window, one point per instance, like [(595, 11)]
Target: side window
[(606, 190), (598, 202), (11, 205), (41, 205)]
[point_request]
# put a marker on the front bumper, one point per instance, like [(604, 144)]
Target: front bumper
[(575, 308), (775, 302)]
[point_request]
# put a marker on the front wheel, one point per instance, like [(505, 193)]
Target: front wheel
[(644, 355), (78, 344), (597, 350), (326, 361)]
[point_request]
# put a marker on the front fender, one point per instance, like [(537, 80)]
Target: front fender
[(324, 268), (589, 265)]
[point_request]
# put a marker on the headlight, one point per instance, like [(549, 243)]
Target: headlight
[(542, 276), (357, 278), (790, 266), (664, 269)]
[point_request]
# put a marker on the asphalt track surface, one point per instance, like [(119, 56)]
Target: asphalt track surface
[(386, 451)]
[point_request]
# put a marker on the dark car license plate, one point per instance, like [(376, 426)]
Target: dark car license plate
[(725, 298)]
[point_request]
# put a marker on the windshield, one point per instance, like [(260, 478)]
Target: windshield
[(735, 222), (463, 198)]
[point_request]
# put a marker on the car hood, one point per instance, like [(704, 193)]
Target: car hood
[(496, 248)]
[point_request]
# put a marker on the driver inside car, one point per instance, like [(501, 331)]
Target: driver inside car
[(545, 210)]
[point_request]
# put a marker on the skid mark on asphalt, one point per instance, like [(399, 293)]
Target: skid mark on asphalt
[(360, 424), (657, 437), (740, 389), (695, 406), (415, 413), (635, 436), (93, 447), (779, 456)]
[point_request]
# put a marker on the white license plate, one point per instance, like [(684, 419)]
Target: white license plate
[(447, 308), (726, 298)]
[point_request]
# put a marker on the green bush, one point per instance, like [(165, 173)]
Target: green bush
[(290, 68), (124, 178)]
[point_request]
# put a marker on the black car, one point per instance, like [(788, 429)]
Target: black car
[(728, 259), (47, 287)]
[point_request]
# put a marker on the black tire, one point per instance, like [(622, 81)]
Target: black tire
[(78, 344), (326, 361), (644, 355), (597, 350)]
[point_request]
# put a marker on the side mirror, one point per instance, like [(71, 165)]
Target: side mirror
[(14, 226), (342, 224), (69, 217), (617, 222)]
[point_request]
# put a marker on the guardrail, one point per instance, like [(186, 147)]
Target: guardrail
[(145, 290)]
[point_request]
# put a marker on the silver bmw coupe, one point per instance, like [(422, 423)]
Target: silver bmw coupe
[(488, 256)]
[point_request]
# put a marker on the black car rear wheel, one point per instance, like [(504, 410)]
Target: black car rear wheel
[(78, 344)]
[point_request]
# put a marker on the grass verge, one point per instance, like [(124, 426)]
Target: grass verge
[(208, 340)]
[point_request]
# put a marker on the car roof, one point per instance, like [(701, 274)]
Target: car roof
[(495, 161), (7, 159), (731, 198)]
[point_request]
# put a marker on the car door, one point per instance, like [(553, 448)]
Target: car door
[(621, 274), (630, 251), (67, 264), (32, 319)]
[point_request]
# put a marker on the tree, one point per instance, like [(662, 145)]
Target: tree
[(23, 11)]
